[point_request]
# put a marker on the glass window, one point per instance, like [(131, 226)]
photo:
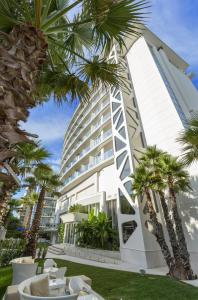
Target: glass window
[(119, 144), (115, 117), (120, 159), (118, 96), (125, 207), (112, 212), (120, 121), (126, 171), (122, 132), (127, 230), (115, 106)]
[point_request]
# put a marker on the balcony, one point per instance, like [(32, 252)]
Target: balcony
[(108, 154), (85, 124), (105, 119), (106, 135), (95, 99)]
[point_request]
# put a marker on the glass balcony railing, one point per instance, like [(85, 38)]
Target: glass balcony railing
[(86, 150), (108, 154), (99, 95), (85, 124), (106, 117)]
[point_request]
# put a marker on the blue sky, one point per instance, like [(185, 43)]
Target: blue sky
[(174, 21)]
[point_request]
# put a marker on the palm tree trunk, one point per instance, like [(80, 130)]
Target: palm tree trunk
[(29, 218), (4, 200), (22, 54), (33, 235), (180, 233), (159, 234), (179, 271)]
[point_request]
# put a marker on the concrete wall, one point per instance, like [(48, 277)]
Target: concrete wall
[(162, 123)]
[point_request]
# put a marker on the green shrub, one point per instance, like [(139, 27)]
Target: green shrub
[(61, 229), (78, 208), (97, 232), (10, 249)]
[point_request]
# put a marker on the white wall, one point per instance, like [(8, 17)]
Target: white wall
[(107, 182), (162, 123)]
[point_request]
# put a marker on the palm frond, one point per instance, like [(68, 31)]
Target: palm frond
[(115, 19)]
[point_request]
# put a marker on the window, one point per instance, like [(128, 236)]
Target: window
[(127, 230)]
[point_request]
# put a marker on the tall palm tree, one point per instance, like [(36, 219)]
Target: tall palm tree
[(152, 161), (189, 140), (49, 46), (142, 182), (29, 201), (177, 180), (46, 181), (29, 155)]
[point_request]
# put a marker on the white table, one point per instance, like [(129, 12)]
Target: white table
[(57, 286)]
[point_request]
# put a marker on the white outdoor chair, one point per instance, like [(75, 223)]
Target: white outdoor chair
[(60, 273), (76, 285), (49, 263), (23, 268), (26, 284)]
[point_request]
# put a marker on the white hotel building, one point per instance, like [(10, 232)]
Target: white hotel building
[(105, 138)]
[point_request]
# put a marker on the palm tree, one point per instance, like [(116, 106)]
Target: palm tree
[(47, 47), (29, 201), (189, 140), (29, 155), (13, 205), (142, 182), (177, 180), (46, 181), (151, 159)]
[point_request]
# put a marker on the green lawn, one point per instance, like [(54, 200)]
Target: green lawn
[(117, 285)]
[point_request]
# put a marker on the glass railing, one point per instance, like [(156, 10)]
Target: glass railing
[(91, 131), (88, 121), (108, 154), (86, 150), (96, 98)]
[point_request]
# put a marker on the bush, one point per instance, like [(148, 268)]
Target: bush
[(10, 249), (97, 232), (78, 208), (61, 229)]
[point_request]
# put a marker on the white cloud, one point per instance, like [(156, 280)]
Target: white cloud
[(48, 129)]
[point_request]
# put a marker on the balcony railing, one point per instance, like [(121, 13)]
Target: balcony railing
[(95, 99), (108, 154), (88, 149), (85, 124), (106, 117)]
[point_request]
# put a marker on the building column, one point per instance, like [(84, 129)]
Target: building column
[(137, 245)]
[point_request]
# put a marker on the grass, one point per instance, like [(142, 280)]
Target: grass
[(117, 285)]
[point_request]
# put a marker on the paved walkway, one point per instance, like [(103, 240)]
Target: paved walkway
[(122, 266)]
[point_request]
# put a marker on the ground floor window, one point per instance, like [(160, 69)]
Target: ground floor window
[(112, 212)]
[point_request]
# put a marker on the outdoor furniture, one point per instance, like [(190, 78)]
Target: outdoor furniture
[(78, 286), (49, 263), (23, 268), (50, 270), (25, 292), (61, 272), (12, 293), (57, 286), (83, 277), (55, 289)]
